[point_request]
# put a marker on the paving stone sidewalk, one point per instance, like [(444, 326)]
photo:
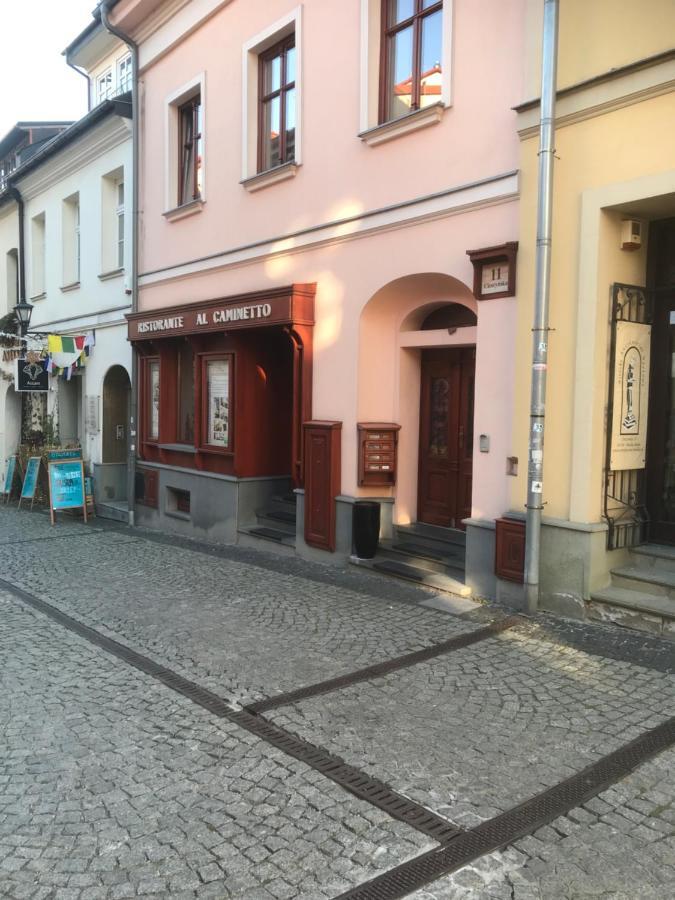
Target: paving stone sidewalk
[(112, 785)]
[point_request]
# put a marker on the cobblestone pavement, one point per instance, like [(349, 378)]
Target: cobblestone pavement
[(112, 785)]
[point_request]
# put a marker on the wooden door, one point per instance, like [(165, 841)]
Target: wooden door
[(446, 436)]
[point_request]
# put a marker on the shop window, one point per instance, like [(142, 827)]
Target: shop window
[(152, 399), (186, 394), (216, 391)]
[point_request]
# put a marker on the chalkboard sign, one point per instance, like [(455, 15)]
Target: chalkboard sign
[(66, 486), (30, 480), (9, 477)]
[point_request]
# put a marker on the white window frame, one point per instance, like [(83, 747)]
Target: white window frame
[(172, 104), (38, 255), (289, 24), (70, 239), (125, 61), (371, 130), (104, 77), (119, 218)]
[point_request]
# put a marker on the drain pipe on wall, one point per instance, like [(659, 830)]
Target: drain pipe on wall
[(105, 7), (540, 329)]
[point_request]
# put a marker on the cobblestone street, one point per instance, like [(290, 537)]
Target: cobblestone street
[(114, 785)]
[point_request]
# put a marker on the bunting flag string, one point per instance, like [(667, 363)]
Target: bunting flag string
[(67, 353)]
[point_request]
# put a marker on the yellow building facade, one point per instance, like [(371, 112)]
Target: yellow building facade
[(614, 189)]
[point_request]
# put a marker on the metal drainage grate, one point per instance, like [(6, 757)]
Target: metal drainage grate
[(502, 830), (354, 780), (383, 668)]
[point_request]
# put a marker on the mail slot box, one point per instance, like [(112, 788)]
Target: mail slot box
[(377, 453)]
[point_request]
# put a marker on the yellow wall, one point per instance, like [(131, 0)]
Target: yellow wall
[(598, 35), (609, 149)]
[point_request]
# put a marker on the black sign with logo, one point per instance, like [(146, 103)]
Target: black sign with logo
[(31, 376)]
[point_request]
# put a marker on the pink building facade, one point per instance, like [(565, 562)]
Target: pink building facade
[(312, 179)]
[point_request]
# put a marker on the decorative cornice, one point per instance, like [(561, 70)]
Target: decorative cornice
[(497, 189), (113, 133)]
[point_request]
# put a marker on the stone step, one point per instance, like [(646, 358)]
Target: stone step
[(424, 577), (117, 511), (642, 580), (632, 609), (421, 556), (277, 513), (273, 521), (442, 541), (251, 537), (648, 556)]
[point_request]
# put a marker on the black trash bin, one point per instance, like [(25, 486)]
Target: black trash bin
[(366, 528)]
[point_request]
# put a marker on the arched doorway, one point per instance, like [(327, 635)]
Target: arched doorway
[(116, 397)]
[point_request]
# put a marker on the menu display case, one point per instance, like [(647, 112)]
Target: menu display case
[(378, 442)]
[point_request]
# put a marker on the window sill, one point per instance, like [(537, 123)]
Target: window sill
[(185, 210), (177, 514), (388, 131), (271, 176), (217, 451), (73, 286), (113, 273), (177, 448), (36, 297)]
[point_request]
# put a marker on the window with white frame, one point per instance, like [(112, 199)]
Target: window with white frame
[(406, 49), (119, 214), (112, 223), (71, 240), (38, 248), (185, 184), (124, 74), (104, 86), (272, 81)]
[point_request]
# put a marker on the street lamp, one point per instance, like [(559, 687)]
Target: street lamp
[(23, 311)]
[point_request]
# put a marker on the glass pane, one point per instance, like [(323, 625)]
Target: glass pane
[(290, 65), (430, 63), (272, 75), (290, 126), (120, 193), (400, 73), (120, 240), (154, 401), (271, 137), (218, 389), (186, 395), (427, 3), (199, 149), (438, 418), (399, 10), (188, 160)]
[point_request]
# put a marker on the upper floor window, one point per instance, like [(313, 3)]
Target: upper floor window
[(412, 44), (190, 139), (124, 74), (119, 214), (104, 86), (71, 240), (38, 255), (276, 83)]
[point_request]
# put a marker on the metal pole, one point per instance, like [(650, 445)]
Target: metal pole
[(104, 8), (535, 470)]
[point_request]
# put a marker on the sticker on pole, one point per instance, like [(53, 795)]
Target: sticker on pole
[(536, 487)]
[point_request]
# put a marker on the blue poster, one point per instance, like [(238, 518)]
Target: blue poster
[(66, 484), (9, 475), (30, 480)]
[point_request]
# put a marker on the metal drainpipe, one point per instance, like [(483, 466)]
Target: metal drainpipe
[(84, 75), (535, 471), (15, 193), (135, 128)]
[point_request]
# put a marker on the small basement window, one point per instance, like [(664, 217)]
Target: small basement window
[(178, 503)]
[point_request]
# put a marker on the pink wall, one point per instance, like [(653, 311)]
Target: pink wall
[(475, 138)]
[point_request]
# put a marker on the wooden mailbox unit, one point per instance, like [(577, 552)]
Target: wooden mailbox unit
[(378, 443), (322, 481)]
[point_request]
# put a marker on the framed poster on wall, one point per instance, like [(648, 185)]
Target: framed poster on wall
[(631, 396), (217, 377)]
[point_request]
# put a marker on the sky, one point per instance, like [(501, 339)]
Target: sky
[(36, 81)]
